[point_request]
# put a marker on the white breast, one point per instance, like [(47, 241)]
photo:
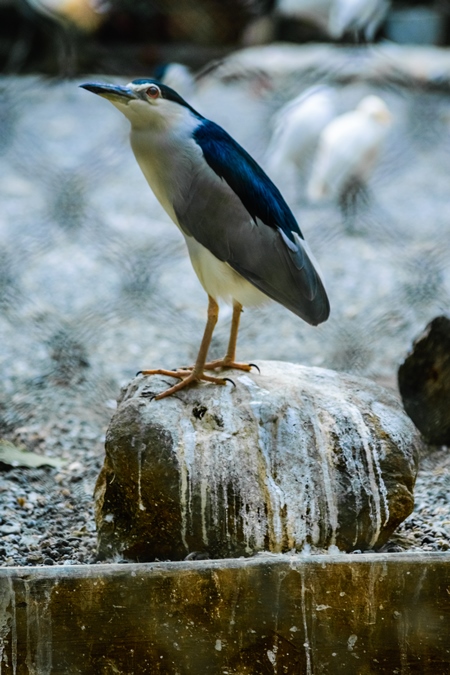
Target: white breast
[(168, 163), (220, 280)]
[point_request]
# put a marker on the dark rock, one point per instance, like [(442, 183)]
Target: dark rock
[(305, 456), (424, 382)]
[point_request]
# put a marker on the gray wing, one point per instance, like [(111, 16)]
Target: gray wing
[(211, 212)]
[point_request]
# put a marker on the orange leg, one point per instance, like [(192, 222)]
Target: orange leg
[(229, 359), (194, 374)]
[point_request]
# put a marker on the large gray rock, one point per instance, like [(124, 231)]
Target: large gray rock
[(288, 458)]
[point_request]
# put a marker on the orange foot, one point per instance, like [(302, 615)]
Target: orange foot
[(186, 375), (227, 363)]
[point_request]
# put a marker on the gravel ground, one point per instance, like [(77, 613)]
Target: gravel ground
[(47, 512), (95, 285), (428, 527)]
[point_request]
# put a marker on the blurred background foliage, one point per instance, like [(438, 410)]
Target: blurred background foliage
[(116, 36)]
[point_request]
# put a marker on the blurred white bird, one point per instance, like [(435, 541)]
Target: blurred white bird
[(334, 18), (348, 149), (361, 17), (296, 130)]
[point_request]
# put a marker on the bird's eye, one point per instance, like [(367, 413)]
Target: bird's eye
[(153, 91)]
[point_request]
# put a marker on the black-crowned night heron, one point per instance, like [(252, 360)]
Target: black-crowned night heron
[(177, 76), (243, 241)]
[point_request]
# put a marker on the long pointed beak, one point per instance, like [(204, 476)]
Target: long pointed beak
[(112, 92)]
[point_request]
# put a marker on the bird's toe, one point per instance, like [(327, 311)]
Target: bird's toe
[(226, 363), (188, 379)]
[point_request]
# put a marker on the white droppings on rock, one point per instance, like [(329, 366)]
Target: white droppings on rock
[(185, 456), (373, 484), (351, 642), (322, 444), (391, 424), (271, 655), (139, 485), (245, 379), (333, 550)]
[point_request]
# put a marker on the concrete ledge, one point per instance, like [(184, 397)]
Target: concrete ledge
[(369, 613)]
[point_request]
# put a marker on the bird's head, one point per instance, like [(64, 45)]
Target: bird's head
[(147, 103), (375, 108), (177, 76)]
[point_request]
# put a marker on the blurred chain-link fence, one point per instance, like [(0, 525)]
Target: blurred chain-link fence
[(95, 282)]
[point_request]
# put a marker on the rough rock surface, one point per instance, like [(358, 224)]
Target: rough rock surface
[(424, 382), (288, 458)]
